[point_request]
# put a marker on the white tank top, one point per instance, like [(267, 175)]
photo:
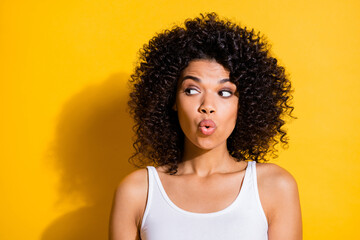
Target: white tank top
[(243, 219)]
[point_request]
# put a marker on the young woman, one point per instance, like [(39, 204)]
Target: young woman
[(209, 104)]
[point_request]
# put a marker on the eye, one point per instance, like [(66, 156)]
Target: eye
[(225, 93), (191, 91)]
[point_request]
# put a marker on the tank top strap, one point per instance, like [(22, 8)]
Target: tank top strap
[(255, 190), (252, 170), (251, 167), (253, 176), (151, 181)]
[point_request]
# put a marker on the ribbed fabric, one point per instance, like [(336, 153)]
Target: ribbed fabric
[(243, 219)]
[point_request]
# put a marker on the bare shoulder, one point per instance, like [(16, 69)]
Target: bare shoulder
[(276, 187), (128, 205), (132, 191), (275, 178), (279, 197), (134, 183)]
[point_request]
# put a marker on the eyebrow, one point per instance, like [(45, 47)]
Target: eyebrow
[(199, 80)]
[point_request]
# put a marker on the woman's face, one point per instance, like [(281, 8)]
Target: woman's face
[(206, 103)]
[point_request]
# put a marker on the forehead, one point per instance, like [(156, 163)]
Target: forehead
[(206, 68)]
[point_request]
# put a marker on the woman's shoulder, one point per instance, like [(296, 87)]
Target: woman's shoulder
[(134, 184), (129, 205), (273, 175), (277, 187), (131, 193)]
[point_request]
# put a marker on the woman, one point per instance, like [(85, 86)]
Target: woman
[(208, 102)]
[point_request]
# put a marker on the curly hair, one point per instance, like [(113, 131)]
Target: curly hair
[(263, 87)]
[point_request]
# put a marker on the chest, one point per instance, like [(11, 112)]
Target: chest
[(230, 202), (202, 195)]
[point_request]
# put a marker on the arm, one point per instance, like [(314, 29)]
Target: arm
[(281, 204), (128, 206)]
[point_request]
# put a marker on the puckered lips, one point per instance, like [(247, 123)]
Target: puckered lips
[(207, 127)]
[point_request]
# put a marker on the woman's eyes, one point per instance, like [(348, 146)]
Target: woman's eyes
[(225, 93), (222, 93), (191, 91)]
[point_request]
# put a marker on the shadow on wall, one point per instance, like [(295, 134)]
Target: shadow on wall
[(92, 146)]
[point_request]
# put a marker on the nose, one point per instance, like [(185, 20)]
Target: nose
[(207, 106)]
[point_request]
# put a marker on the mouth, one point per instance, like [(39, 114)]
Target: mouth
[(207, 127)]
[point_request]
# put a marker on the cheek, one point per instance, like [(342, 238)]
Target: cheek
[(185, 108), (185, 115), (232, 117), (232, 111)]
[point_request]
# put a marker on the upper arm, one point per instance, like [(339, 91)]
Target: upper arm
[(128, 206), (281, 198)]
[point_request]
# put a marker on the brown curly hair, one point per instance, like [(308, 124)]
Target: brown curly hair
[(264, 90)]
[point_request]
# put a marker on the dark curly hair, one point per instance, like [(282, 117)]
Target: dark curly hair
[(263, 88)]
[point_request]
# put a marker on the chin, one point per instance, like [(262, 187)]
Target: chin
[(207, 144)]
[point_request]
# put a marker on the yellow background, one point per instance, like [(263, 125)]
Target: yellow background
[(65, 133)]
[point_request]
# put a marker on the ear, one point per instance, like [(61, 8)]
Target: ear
[(174, 107)]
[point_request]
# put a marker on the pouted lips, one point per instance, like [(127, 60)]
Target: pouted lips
[(207, 127)]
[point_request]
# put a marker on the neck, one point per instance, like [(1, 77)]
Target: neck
[(206, 162)]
